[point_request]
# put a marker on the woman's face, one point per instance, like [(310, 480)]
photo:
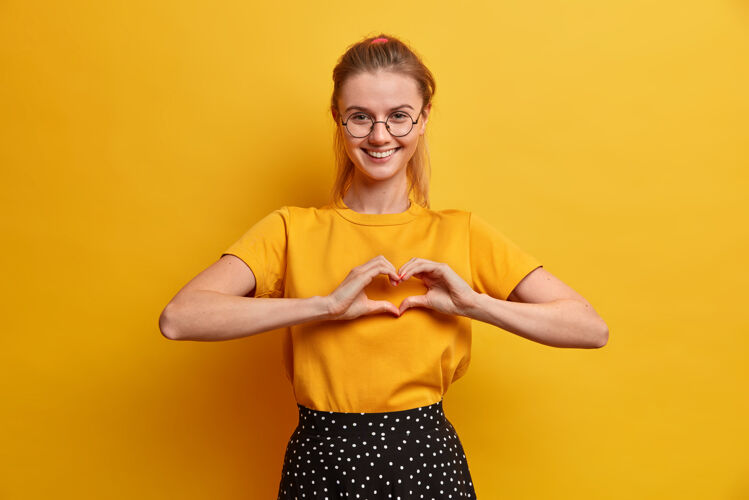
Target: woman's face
[(378, 95)]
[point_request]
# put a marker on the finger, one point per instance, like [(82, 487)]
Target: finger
[(375, 267), (389, 269), (392, 273), (413, 301), (382, 306), (382, 258), (411, 263), (393, 277), (403, 267), (421, 266)]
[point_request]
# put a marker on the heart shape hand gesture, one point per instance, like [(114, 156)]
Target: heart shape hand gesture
[(446, 291)]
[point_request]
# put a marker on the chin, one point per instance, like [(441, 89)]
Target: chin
[(377, 175), (380, 172)]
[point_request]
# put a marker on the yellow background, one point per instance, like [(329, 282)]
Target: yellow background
[(138, 139)]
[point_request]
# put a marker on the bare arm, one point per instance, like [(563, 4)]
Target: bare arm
[(543, 309), (213, 306)]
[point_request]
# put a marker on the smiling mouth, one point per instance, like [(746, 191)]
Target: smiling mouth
[(380, 154)]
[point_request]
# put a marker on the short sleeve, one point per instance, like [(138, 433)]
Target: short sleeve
[(263, 249), (497, 264)]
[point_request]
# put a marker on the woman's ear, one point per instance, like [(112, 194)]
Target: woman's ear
[(334, 112), (425, 115)]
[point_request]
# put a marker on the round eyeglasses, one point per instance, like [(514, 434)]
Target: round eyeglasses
[(398, 123)]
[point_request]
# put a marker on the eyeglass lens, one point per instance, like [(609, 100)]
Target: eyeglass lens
[(361, 124)]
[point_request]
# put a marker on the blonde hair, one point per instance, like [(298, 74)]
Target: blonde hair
[(387, 53)]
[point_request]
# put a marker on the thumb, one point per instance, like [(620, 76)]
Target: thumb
[(378, 306), (413, 301)]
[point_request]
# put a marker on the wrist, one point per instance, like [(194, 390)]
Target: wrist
[(323, 304), (475, 305)]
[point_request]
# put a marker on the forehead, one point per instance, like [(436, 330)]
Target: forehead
[(381, 90)]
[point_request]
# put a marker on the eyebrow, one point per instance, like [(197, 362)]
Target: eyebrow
[(365, 109)]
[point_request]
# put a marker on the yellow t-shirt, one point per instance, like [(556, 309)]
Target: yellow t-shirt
[(380, 362)]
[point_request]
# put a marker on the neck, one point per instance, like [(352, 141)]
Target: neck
[(377, 198)]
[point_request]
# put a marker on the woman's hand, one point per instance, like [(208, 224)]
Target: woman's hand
[(349, 301), (446, 291)]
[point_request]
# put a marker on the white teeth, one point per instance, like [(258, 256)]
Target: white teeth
[(382, 154)]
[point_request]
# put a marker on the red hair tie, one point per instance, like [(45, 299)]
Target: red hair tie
[(379, 40)]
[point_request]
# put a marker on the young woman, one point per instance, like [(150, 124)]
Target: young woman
[(376, 292)]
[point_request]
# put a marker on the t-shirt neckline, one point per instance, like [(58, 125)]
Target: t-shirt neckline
[(380, 219)]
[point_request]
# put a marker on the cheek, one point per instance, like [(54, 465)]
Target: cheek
[(413, 144), (350, 148), (353, 150)]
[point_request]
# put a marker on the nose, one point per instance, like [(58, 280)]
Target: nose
[(379, 134)]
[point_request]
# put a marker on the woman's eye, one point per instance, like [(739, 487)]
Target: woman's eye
[(399, 115), (360, 116)]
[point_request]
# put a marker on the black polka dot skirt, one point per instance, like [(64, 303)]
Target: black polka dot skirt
[(407, 454)]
